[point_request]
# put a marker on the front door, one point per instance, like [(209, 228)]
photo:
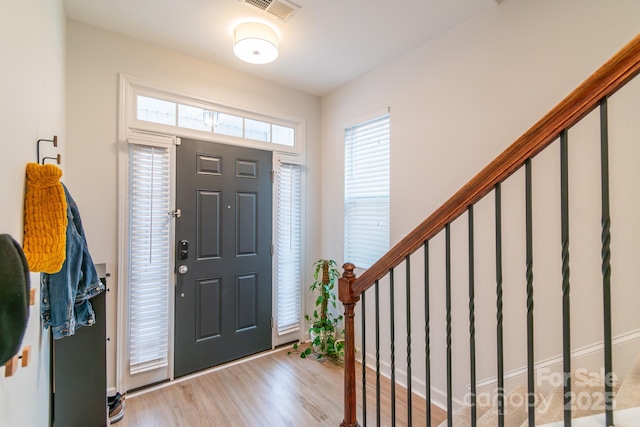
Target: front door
[(223, 255)]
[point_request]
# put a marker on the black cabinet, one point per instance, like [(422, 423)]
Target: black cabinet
[(79, 372)]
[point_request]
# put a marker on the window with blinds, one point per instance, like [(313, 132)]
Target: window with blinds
[(367, 191), (288, 247), (149, 256)]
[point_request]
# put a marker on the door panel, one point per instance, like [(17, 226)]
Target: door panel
[(209, 215), (247, 224), (209, 308), (223, 300), (246, 302)]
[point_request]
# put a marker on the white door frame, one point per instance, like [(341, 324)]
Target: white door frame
[(129, 128)]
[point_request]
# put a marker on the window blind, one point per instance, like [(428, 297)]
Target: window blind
[(149, 252), (367, 191), (288, 256)]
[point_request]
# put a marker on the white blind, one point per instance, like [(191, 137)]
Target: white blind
[(288, 258), (149, 252), (367, 190)]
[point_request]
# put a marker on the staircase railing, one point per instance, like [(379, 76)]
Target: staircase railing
[(591, 94)]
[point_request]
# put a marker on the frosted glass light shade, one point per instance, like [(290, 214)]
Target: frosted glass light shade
[(255, 43)]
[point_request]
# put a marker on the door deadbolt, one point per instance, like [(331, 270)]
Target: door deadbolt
[(183, 249), (183, 269)]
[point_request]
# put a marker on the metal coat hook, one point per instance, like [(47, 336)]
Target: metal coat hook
[(58, 158)]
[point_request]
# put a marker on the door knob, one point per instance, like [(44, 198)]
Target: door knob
[(183, 269)]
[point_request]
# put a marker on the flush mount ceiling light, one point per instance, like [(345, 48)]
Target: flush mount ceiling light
[(255, 43)]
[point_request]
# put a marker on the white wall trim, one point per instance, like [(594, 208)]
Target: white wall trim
[(627, 338), (439, 397), (418, 385)]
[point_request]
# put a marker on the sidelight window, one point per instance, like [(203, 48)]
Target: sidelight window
[(150, 252), (288, 232)]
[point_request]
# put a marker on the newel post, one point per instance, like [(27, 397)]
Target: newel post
[(349, 301)]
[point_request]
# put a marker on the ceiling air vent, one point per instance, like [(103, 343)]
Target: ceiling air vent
[(281, 9)]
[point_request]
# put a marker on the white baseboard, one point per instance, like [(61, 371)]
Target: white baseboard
[(418, 386), (626, 347)]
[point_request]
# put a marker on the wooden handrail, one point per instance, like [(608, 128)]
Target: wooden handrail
[(622, 67)]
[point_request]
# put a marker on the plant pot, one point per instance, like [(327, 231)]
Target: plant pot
[(318, 348)]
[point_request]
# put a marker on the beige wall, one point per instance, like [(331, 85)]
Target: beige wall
[(456, 103), (32, 82), (463, 97), (94, 59)]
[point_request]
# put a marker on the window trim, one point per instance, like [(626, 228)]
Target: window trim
[(163, 141), (131, 87), (296, 333)]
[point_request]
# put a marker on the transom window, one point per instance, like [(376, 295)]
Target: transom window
[(165, 112)]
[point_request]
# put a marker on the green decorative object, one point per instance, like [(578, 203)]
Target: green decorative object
[(14, 297)]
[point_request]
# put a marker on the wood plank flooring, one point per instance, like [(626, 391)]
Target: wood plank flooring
[(276, 389)]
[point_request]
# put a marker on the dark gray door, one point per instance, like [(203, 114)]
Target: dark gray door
[(223, 236)]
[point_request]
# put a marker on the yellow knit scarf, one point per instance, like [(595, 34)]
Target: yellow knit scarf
[(45, 219)]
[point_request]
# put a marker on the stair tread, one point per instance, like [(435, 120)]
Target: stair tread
[(623, 418), (629, 394)]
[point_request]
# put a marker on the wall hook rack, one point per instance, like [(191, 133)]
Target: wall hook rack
[(57, 158)]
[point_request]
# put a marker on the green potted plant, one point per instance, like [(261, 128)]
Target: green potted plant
[(325, 342)]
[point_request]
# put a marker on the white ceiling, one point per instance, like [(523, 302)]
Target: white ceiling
[(324, 45)]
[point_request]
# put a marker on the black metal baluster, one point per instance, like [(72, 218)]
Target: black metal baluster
[(377, 303), (499, 339), (606, 258), (448, 309), (472, 320), (529, 275), (566, 314), (408, 303), (427, 341), (364, 360), (393, 348)]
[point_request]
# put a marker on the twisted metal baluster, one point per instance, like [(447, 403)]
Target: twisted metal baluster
[(427, 341), (364, 360), (606, 261), (500, 343), (377, 301), (531, 402), (393, 347), (566, 288), (448, 311), (408, 305), (472, 319)]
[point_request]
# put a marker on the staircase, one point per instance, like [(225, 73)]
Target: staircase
[(454, 300)]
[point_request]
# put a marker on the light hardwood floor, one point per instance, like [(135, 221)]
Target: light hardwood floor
[(276, 389)]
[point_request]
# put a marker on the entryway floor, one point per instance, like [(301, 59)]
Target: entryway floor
[(270, 389)]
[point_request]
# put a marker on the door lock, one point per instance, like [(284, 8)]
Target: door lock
[(183, 269), (183, 249)]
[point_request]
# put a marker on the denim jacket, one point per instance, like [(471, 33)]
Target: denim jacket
[(65, 294)]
